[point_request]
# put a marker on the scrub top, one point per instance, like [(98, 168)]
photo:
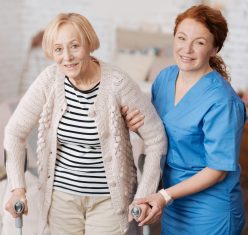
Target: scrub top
[(204, 130)]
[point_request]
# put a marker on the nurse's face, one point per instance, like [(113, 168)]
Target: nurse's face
[(193, 46)]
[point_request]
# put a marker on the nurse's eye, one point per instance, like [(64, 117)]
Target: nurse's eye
[(201, 43)]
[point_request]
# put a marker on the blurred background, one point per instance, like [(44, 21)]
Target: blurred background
[(136, 35)]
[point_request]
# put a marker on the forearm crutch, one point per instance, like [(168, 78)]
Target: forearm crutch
[(19, 208)]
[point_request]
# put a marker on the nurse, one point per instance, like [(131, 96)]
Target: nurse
[(204, 120)]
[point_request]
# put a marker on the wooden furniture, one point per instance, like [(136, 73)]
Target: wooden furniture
[(244, 151)]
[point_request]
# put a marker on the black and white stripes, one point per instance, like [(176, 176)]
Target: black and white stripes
[(79, 164)]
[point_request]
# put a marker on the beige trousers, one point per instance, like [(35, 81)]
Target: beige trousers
[(82, 215)]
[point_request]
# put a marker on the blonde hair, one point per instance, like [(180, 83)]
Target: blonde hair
[(81, 25)]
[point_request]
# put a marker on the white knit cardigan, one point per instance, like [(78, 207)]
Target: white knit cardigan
[(45, 103)]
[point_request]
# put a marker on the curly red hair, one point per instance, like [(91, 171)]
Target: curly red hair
[(215, 22)]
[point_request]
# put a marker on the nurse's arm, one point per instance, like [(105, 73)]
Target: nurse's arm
[(200, 181)]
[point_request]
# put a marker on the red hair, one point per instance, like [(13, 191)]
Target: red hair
[(215, 22)]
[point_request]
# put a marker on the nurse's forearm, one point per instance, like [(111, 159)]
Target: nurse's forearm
[(200, 181)]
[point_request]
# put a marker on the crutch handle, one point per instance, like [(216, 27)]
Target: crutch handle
[(19, 208), (136, 212)]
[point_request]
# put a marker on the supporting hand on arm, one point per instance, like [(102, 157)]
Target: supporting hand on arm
[(134, 119)]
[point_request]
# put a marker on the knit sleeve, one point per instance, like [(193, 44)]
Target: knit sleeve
[(24, 118), (152, 132)]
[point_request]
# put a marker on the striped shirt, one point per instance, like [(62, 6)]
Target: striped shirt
[(79, 165)]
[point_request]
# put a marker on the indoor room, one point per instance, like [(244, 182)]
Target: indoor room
[(138, 41)]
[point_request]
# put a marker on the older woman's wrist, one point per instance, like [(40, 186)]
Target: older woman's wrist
[(19, 191)]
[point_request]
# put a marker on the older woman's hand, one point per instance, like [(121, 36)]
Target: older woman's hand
[(18, 194), (134, 119), (156, 202)]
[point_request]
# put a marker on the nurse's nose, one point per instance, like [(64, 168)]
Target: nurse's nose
[(188, 47)]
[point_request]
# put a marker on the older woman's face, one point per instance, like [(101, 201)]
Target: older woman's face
[(71, 55)]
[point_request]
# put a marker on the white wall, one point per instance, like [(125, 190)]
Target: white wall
[(21, 20), (235, 51), (10, 46)]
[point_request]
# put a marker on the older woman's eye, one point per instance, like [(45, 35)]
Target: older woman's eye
[(74, 46), (58, 50)]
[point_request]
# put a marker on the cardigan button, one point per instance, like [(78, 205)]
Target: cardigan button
[(40, 168), (92, 113), (104, 134), (112, 184), (117, 139), (108, 158)]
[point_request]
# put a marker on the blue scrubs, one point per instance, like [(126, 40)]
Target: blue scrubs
[(204, 130)]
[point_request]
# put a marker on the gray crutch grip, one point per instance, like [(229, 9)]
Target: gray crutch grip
[(136, 212), (19, 208), (18, 222)]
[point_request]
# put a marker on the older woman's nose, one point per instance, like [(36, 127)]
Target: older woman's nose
[(68, 55)]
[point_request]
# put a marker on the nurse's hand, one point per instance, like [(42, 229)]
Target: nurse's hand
[(145, 210), (17, 195), (134, 119), (157, 204)]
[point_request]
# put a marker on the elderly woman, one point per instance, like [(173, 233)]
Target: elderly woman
[(87, 176)]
